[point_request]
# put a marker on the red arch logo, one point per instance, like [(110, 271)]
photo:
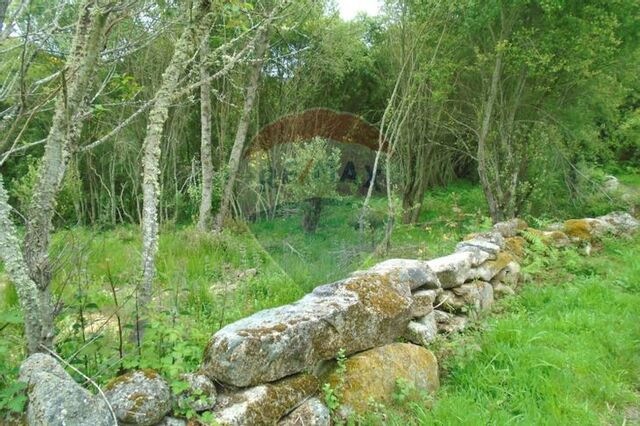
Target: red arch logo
[(318, 122)]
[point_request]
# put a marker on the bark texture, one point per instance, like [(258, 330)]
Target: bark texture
[(14, 263), (484, 169), (183, 50), (206, 160), (4, 4), (63, 136), (262, 42)]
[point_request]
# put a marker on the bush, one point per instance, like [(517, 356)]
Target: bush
[(312, 170)]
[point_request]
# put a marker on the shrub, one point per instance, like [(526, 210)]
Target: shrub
[(312, 170)]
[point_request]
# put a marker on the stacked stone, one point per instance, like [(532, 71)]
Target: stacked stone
[(267, 368)]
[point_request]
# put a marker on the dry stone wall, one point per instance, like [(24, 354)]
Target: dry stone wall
[(269, 368)]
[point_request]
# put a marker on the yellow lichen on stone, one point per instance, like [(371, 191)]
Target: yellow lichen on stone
[(501, 261), (377, 291), (125, 378), (266, 404), (373, 375), (578, 228), (515, 246)]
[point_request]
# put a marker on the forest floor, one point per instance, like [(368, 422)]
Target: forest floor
[(565, 350)]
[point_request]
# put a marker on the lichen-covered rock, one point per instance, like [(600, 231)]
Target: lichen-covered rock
[(356, 314), (502, 290), (556, 239), (475, 296), (449, 323), (414, 273), (511, 227), (491, 268), (479, 244), (622, 222), (453, 270), (422, 302), (478, 255), (201, 393), (265, 404), (55, 399), (172, 421), (515, 246), (312, 412), (373, 375), (619, 223), (509, 275), (422, 331), (140, 397), (580, 229), (493, 237)]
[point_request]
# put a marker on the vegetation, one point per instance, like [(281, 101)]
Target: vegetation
[(140, 211), (312, 174), (563, 351)]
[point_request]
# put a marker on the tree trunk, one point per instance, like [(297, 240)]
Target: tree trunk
[(243, 126), (311, 215), (483, 166), (151, 156), (63, 135), (205, 139), (4, 4), (36, 331)]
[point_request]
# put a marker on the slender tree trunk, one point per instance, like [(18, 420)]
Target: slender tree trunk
[(483, 135), (206, 161), (63, 135), (243, 126), (4, 4), (35, 330), (151, 155)]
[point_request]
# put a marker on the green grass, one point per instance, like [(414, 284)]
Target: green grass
[(337, 249), (202, 282), (565, 351)]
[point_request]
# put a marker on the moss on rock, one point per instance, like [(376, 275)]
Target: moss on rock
[(268, 403), (515, 246), (373, 375), (578, 228)]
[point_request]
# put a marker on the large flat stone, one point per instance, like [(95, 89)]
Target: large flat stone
[(55, 399), (374, 374), (453, 270), (479, 244), (414, 273), (623, 223), (618, 223), (356, 314)]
